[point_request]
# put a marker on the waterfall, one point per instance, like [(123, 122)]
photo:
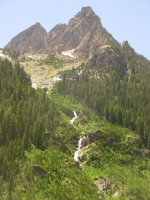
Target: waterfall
[(74, 118), (79, 146), (76, 154)]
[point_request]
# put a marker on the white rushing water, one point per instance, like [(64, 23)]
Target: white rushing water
[(79, 146), (76, 154), (74, 118)]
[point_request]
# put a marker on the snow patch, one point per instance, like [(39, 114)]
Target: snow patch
[(30, 56), (105, 46), (1, 54), (56, 78), (68, 53), (34, 85)]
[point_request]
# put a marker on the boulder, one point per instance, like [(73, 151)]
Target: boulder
[(68, 113), (92, 137), (85, 141)]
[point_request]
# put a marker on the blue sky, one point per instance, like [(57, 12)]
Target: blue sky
[(124, 19)]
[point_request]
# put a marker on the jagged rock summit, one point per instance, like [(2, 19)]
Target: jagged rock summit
[(126, 47), (83, 35), (28, 39)]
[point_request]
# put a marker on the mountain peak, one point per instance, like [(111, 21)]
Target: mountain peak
[(126, 47), (27, 39), (86, 14), (87, 9), (37, 24), (84, 32), (125, 44)]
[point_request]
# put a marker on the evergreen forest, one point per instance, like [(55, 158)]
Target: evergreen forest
[(37, 141), (36, 162), (122, 104)]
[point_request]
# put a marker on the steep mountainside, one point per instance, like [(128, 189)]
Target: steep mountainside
[(106, 56), (84, 33), (116, 155), (36, 144), (127, 48), (106, 90), (29, 40)]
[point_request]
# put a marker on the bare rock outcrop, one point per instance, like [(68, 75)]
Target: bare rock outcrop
[(105, 186), (84, 33), (106, 56), (94, 136), (85, 141), (52, 42), (28, 41), (68, 113), (126, 47)]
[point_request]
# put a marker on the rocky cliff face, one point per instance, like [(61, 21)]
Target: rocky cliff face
[(126, 47), (89, 33), (106, 56), (83, 37), (28, 41), (84, 33)]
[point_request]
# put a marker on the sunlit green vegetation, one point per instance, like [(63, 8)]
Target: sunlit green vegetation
[(118, 153), (121, 152), (13, 54), (37, 142), (53, 61)]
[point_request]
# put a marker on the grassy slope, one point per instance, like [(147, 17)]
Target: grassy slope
[(43, 68), (50, 174), (47, 173), (117, 155), (117, 160)]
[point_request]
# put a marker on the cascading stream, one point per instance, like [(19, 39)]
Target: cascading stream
[(76, 154), (74, 118), (79, 147)]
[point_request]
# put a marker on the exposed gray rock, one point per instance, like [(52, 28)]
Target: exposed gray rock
[(93, 136), (106, 56), (105, 186), (84, 33), (28, 41), (68, 113), (126, 47), (85, 141)]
